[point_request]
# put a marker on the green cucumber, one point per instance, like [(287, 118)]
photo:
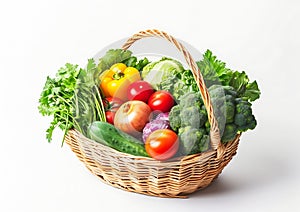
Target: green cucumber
[(107, 134)]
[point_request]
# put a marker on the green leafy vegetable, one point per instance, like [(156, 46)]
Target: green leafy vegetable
[(113, 56), (56, 98), (134, 62), (215, 71), (88, 104), (156, 72)]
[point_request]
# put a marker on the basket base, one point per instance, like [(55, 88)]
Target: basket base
[(175, 178)]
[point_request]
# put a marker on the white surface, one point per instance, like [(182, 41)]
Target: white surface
[(37, 37)]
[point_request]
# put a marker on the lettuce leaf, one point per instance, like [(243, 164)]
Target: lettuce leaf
[(214, 71)]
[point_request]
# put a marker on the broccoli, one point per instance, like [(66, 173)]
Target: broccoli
[(189, 112), (222, 98), (193, 116), (174, 118), (229, 133), (190, 140), (190, 99), (189, 118), (244, 119), (204, 144)]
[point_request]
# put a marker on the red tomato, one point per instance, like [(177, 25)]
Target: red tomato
[(162, 144), (111, 105), (161, 101), (139, 90), (110, 116)]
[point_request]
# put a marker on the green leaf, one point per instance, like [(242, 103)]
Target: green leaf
[(55, 99), (239, 81), (252, 91), (111, 57)]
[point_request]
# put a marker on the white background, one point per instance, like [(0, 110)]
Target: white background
[(38, 37)]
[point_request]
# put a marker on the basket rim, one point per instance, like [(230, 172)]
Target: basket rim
[(141, 158)]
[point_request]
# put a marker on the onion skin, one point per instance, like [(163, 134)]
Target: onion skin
[(132, 117)]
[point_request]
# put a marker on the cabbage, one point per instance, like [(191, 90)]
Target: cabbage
[(157, 72), (163, 116)]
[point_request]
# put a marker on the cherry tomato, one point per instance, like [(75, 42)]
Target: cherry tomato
[(162, 144), (110, 116), (139, 90), (161, 101), (111, 105)]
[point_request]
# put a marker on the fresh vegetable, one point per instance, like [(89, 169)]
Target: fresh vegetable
[(193, 140), (56, 99), (107, 134), (153, 125), (223, 101), (157, 72), (140, 90), (116, 80), (87, 101), (188, 118), (244, 119), (162, 144), (169, 75), (188, 112), (132, 116), (134, 62), (111, 57), (215, 71), (111, 105), (161, 101), (78, 97), (163, 116)]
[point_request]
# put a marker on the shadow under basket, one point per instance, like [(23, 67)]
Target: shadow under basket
[(173, 178), (176, 177)]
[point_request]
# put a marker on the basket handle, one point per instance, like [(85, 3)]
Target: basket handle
[(214, 130)]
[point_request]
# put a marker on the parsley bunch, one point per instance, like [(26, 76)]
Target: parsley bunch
[(56, 98), (73, 96)]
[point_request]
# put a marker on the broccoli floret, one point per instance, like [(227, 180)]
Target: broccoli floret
[(190, 139), (174, 118), (223, 101), (244, 119), (204, 143), (190, 99), (192, 116), (230, 132), (229, 111)]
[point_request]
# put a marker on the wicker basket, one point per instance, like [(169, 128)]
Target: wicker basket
[(176, 177)]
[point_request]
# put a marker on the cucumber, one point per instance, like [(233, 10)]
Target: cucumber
[(107, 134)]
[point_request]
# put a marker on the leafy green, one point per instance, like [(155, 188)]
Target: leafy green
[(73, 97), (88, 104), (157, 72), (56, 99), (214, 71), (252, 91), (111, 57), (134, 62)]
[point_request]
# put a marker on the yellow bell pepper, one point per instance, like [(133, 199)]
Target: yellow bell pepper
[(115, 81)]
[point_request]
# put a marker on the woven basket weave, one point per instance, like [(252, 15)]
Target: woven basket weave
[(176, 177)]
